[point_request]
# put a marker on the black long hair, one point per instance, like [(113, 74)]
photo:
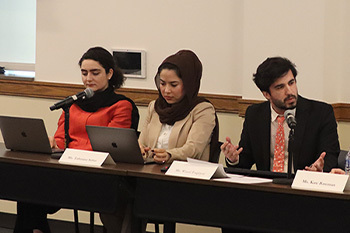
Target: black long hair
[(106, 60)]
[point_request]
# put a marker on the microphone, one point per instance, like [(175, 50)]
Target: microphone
[(86, 94), (290, 118)]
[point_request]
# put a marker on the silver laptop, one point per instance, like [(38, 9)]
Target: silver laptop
[(120, 143), (25, 134)]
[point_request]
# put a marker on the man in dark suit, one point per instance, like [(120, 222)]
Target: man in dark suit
[(316, 145)]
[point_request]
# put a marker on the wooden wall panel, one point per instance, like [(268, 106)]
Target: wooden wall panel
[(142, 97), (222, 103)]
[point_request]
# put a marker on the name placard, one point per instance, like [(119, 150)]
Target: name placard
[(319, 181), (85, 158), (196, 169)]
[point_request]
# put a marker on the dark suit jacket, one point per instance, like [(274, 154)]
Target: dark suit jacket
[(316, 131)]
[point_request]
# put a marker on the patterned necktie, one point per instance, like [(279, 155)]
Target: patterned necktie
[(278, 160)]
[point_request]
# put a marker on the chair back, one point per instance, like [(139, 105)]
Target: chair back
[(215, 155), (215, 144), (341, 159)]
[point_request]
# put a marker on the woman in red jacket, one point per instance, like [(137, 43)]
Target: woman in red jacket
[(104, 108)]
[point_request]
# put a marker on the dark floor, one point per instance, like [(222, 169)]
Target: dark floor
[(4, 230), (7, 221)]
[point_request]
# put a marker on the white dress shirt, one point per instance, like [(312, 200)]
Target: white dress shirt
[(163, 139)]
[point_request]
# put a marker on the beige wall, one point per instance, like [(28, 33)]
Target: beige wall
[(312, 33), (231, 37), (66, 29)]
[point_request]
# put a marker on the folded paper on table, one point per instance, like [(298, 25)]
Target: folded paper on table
[(320, 181), (200, 169), (234, 178), (194, 168), (85, 157)]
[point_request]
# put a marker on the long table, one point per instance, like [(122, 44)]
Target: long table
[(260, 208), (37, 178)]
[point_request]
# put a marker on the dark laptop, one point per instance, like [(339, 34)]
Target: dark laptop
[(25, 134), (122, 144)]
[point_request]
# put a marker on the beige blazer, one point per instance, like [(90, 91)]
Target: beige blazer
[(190, 137)]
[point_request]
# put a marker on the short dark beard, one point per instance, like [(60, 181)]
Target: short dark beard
[(282, 105)]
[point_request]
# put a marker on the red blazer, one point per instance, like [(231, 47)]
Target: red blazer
[(116, 115)]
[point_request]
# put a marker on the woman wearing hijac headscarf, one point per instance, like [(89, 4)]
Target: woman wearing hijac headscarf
[(179, 124)]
